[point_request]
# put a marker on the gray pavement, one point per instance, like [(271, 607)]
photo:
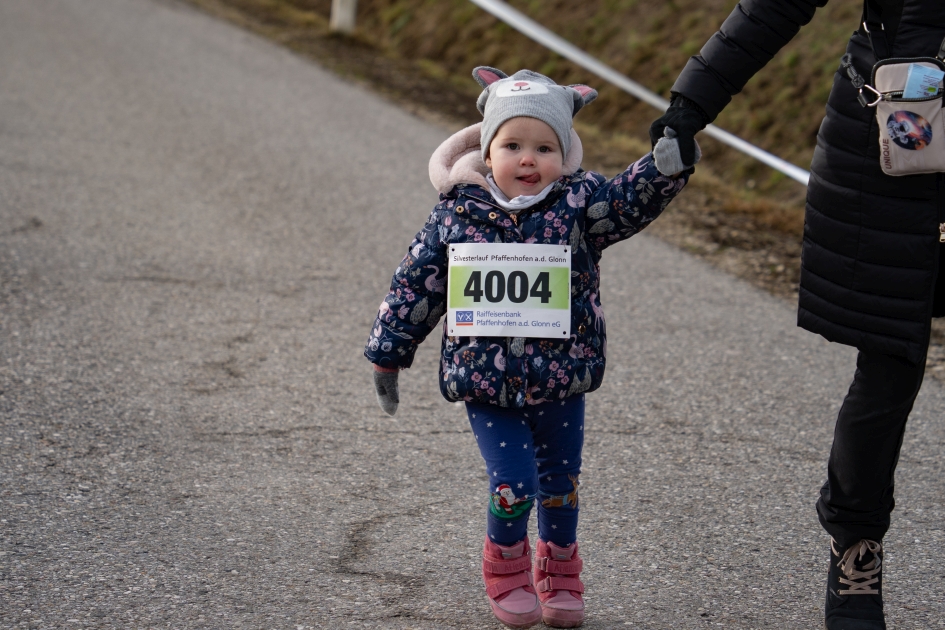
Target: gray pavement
[(196, 228)]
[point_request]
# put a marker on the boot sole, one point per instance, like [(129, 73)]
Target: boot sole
[(513, 620), (562, 618)]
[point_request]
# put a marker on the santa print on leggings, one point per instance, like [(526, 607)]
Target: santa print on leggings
[(506, 505)]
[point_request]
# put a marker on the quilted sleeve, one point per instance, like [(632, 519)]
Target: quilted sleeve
[(751, 35), (619, 208), (415, 302)]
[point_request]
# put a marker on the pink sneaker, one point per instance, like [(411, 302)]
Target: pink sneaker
[(507, 572), (559, 588)]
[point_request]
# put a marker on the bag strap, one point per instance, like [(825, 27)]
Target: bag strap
[(875, 29), (846, 64), (881, 39)]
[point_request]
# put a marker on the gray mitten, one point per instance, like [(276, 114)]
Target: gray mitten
[(388, 396), (667, 157)]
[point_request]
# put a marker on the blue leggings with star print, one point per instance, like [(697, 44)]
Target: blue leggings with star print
[(532, 455)]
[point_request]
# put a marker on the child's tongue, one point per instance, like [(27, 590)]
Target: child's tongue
[(531, 179)]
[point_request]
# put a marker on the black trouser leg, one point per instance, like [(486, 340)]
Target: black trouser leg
[(857, 499)]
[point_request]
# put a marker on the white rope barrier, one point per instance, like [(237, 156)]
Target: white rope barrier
[(566, 49)]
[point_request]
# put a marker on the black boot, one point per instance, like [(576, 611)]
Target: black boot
[(855, 587)]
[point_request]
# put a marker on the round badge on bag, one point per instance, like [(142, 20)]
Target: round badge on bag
[(909, 130)]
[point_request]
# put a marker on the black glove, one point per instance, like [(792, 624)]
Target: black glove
[(388, 395), (686, 118)]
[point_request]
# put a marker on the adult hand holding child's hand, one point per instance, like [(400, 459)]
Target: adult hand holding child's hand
[(673, 136), (385, 385)]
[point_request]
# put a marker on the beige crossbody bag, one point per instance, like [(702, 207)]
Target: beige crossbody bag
[(911, 130)]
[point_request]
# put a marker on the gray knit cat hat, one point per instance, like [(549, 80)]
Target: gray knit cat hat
[(530, 94)]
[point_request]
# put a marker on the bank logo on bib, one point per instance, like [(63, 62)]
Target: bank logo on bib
[(464, 318)]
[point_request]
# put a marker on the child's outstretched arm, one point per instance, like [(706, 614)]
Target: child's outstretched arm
[(413, 306), (620, 207)]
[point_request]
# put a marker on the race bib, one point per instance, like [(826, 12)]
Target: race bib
[(509, 290)]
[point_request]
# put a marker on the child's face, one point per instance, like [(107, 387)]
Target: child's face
[(524, 156)]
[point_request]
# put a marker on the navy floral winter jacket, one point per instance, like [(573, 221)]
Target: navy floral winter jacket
[(584, 210)]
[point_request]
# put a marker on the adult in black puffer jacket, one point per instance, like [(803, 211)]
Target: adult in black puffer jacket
[(870, 264)]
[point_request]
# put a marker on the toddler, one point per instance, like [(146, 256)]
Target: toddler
[(531, 340)]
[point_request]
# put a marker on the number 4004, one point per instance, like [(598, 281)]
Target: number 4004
[(516, 285)]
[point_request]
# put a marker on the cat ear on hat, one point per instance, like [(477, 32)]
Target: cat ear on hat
[(583, 95), (486, 76)]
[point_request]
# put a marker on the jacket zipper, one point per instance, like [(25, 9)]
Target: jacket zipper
[(941, 232)]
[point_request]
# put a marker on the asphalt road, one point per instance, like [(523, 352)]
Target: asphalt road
[(196, 228)]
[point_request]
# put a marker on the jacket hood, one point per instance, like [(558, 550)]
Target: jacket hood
[(459, 160)]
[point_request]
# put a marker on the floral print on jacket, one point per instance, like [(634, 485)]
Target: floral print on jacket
[(584, 210)]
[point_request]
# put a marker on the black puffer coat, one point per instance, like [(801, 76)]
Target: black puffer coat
[(871, 241)]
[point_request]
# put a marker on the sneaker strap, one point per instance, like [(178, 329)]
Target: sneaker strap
[(554, 583), (504, 567), (509, 584), (566, 567)]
